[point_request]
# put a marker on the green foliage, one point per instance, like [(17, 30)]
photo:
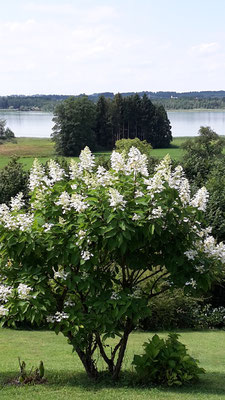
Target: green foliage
[(31, 377), (172, 310), (74, 127), (13, 179), (6, 134), (201, 154), (166, 362), (124, 145)]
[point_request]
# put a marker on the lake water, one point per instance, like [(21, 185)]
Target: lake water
[(184, 123)]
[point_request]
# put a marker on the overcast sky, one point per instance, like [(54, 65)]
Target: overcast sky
[(88, 46)]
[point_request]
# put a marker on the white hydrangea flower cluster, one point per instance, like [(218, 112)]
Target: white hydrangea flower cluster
[(24, 291), (191, 254), (17, 202), (74, 169), (200, 199), (137, 162), (161, 175), (211, 248), (75, 201), (5, 292), (118, 161), (37, 175), (104, 178), (178, 181), (87, 160), (3, 311), (57, 317), (47, 227), (156, 213), (116, 199), (56, 173), (86, 255), (13, 222)]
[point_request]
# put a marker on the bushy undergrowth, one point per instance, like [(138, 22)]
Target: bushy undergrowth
[(166, 362)]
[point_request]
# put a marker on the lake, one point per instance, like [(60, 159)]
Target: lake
[(184, 123)]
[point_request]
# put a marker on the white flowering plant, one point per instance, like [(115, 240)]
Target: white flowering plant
[(91, 251)]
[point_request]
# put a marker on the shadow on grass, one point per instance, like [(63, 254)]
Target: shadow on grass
[(210, 383)]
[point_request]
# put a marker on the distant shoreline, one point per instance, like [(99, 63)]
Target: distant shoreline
[(197, 110)]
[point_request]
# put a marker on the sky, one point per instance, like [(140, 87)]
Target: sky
[(92, 46)]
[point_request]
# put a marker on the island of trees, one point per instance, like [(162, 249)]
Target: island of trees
[(79, 122)]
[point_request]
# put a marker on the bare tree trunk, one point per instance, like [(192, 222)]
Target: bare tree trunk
[(128, 329), (88, 363)]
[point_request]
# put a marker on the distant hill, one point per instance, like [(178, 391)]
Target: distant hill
[(170, 100)]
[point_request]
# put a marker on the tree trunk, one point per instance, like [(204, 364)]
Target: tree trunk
[(88, 363), (128, 329)]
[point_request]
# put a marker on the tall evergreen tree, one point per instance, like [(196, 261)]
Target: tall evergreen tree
[(103, 124)]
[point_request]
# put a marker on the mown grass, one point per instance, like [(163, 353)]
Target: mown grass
[(66, 379), (43, 149)]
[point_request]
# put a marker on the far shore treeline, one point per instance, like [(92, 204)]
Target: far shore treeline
[(80, 122), (170, 100)]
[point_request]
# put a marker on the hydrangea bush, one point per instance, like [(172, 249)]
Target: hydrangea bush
[(93, 248)]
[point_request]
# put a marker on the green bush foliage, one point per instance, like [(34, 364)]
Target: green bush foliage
[(166, 362), (172, 310), (13, 179)]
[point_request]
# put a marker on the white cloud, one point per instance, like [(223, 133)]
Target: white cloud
[(205, 48)]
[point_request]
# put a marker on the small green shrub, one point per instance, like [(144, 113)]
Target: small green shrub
[(166, 362), (172, 310)]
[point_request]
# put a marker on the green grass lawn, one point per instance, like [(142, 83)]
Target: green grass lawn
[(43, 149), (66, 379)]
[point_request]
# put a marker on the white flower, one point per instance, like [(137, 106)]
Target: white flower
[(64, 201), (86, 160), (37, 175), (104, 177), (47, 227), (116, 199), (200, 199), (57, 317), (86, 255), (16, 202), (56, 173), (118, 162), (191, 254), (13, 222), (192, 283), (3, 311), (74, 187), (200, 268), (137, 162), (156, 213), (78, 203), (5, 292), (136, 217), (115, 296), (138, 193), (74, 169), (24, 291), (178, 181)]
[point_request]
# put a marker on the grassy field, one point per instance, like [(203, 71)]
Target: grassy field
[(66, 379), (29, 148)]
